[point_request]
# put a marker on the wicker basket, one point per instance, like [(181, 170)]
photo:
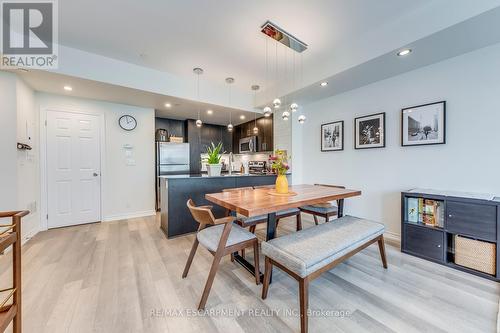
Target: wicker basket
[(475, 254)]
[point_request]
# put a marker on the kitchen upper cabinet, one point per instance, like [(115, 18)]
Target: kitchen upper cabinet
[(174, 127), (227, 139), (200, 138), (264, 136)]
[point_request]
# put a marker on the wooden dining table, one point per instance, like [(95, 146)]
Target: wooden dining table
[(260, 202)]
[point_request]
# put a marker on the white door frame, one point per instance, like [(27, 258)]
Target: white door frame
[(44, 222)]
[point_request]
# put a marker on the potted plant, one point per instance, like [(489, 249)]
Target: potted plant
[(280, 166), (214, 167)]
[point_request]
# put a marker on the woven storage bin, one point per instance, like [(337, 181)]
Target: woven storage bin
[(475, 254)]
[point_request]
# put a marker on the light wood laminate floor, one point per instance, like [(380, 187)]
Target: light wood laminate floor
[(125, 276)]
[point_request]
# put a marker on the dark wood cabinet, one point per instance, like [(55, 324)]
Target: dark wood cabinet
[(200, 138), (472, 219), (174, 127), (424, 242), (463, 216), (264, 137)]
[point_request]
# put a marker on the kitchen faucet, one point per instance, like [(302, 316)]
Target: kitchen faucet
[(231, 162)]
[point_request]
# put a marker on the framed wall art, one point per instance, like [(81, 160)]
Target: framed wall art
[(369, 131), (332, 136), (424, 125)]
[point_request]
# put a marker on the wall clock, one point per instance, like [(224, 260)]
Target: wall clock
[(128, 123)]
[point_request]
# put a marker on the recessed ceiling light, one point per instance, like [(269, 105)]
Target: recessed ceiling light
[(242, 117), (404, 52), (323, 84), (68, 88), (168, 105), (210, 112)]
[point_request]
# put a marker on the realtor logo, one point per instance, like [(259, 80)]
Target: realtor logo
[(29, 34)]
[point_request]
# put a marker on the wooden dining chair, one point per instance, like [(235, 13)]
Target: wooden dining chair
[(325, 210), (220, 237)]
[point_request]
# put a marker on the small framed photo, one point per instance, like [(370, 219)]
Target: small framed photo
[(332, 136), (424, 125), (369, 131)]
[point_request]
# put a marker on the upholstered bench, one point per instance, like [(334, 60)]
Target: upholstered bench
[(308, 253)]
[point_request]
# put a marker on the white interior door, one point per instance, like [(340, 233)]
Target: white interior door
[(73, 168)]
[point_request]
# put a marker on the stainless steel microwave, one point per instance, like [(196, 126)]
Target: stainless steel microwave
[(248, 145)]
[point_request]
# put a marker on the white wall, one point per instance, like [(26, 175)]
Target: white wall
[(19, 180), (469, 161), (8, 151), (128, 190), (28, 166)]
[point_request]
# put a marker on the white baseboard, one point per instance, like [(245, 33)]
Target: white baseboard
[(392, 238), (29, 235), (132, 215)]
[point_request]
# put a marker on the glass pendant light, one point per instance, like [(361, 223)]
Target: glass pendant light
[(276, 101), (285, 115), (301, 118), (267, 110), (198, 71), (294, 106), (230, 81), (255, 87)]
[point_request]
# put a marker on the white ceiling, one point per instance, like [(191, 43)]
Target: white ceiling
[(472, 34), (180, 108), (351, 43), (222, 36)]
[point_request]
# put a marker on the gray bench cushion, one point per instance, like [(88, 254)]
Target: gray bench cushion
[(263, 218), (321, 210), (210, 237), (308, 250)]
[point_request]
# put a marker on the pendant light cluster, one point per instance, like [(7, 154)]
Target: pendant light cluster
[(230, 81), (198, 71), (277, 104)]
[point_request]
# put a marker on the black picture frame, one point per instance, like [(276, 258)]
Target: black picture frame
[(341, 122), (357, 120), (404, 111)]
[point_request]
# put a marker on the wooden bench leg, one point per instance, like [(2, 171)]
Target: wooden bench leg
[(327, 218), (256, 261), (381, 247), (304, 303), (267, 277), (315, 220), (190, 258)]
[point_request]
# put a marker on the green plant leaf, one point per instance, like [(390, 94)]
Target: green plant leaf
[(214, 153)]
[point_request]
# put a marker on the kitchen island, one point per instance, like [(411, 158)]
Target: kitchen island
[(176, 220)]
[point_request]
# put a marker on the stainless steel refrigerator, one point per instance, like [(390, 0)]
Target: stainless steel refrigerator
[(171, 159)]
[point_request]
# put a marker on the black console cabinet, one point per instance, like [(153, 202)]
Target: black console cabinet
[(474, 217)]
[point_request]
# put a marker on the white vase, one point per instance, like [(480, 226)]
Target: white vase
[(214, 170)]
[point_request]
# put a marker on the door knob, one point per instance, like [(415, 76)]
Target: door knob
[(95, 174)]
